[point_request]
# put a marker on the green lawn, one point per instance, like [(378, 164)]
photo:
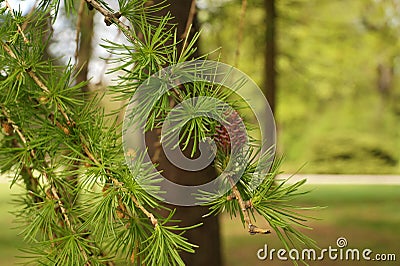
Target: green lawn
[(367, 216), (9, 241)]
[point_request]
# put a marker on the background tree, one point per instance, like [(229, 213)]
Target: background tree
[(84, 39), (270, 53)]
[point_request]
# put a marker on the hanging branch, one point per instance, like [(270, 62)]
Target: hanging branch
[(111, 18), (37, 80), (11, 128), (71, 122), (53, 189), (18, 26), (119, 185), (244, 208)]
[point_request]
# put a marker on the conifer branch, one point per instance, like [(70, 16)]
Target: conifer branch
[(10, 128), (18, 26), (111, 18), (30, 71), (17, 130), (56, 192), (78, 149), (149, 215), (53, 189), (152, 218), (244, 208), (38, 81)]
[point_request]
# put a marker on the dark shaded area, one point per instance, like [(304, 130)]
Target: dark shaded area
[(346, 154)]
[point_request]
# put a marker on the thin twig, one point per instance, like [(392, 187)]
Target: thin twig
[(60, 204), (38, 82), (88, 153), (244, 206), (146, 212), (10, 128), (240, 31), (110, 18), (65, 215), (120, 185), (149, 215), (18, 26), (8, 49), (17, 130), (54, 191), (59, 125)]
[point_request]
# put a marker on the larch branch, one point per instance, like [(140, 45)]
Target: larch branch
[(54, 191), (110, 18), (119, 184), (244, 206), (18, 26), (149, 215)]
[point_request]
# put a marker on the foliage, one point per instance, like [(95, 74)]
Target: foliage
[(81, 204), (327, 75)]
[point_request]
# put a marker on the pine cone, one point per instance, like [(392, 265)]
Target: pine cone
[(238, 133)]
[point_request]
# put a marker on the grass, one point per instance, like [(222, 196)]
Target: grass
[(9, 241), (338, 140), (367, 216)]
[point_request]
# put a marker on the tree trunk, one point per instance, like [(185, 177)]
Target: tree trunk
[(85, 47), (270, 54), (207, 236)]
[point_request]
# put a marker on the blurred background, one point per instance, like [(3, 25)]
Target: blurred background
[(337, 68), (331, 70)]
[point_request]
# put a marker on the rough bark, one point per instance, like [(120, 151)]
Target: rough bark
[(85, 47)]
